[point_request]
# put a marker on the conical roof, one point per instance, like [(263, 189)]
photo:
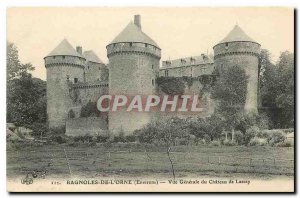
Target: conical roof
[(64, 48), (91, 56), (132, 33), (236, 34)]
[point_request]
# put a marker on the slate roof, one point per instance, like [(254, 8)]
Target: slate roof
[(91, 56), (64, 48), (132, 33), (236, 34), (188, 61)]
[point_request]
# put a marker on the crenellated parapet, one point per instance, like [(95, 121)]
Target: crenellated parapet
[(83, 85), (133, 48), (62, 60), (236, 48)]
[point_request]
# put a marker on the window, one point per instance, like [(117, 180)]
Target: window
[(222, 66), (152, 66), (75, 80), (146, 45), (191, 71), (88, 67), (226, 44), (152, 82), (63, 57), (166, 73), (68, 77), (130, 44), (54, 57)]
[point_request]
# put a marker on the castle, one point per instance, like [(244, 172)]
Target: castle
[(75, 77)]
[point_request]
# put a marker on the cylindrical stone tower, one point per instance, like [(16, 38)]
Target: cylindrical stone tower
[(133, 67), (238, 49), (64, 66)]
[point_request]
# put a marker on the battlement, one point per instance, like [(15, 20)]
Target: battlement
[(237, 47), (132, 47), (64, 60), (89, 84)]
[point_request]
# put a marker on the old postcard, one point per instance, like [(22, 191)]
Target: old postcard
[(150, 99)]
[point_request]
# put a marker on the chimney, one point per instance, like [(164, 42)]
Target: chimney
[(137, 20), (79, 49)]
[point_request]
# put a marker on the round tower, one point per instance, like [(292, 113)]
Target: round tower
[(65, 66), (238, 49), (133, 67)]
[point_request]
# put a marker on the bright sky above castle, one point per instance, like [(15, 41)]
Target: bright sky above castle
[(180, 32)]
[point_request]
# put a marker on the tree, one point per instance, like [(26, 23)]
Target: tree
[(171, 85), (15, 69), (277, 89), (229, 91), (26, 96), (89, 110), (26, 100)]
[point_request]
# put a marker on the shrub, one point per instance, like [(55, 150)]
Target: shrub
[(58, 130), (59, 139), (254, 142), (206, 138), (284, 144), (71, 114), (228, 143), (130, 138), (263, 134), (215, 143), (89, 110), (38, 129), (171, 85), (250, 133), (276, 137), (239, 137), (101, 138)]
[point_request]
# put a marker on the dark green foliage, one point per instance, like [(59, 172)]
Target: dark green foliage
[(59, 139), (230, 89), (39, 129), (58, 130), (277, 89), (89, 110), (26, 100), (71, 114), (101, 139), (250, 133), (171, 85), (14, 68), (26, 96), (239, 137), (276, 137)]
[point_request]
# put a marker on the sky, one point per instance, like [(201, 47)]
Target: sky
[(179, 32)]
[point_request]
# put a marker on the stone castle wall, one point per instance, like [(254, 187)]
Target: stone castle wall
[(86, 126), (95, 72), (191, 70)]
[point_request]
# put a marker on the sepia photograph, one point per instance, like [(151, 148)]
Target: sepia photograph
[(150, 99)]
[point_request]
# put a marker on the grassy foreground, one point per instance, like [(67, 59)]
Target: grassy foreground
[(100, 161)]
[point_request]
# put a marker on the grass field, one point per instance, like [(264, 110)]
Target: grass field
[(99, 161)]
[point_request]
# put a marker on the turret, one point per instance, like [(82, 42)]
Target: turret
[(238, 49), (64, 66), (133, 67)]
